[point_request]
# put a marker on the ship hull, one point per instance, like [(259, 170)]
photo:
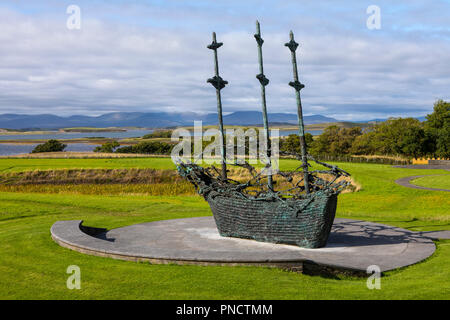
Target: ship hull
[(305, 223)]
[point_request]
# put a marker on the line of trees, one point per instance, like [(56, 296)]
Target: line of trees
[(406, 137), (158, 134), (148, 147)]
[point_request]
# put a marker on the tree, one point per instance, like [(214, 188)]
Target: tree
[(50, 146), (335, 140), (291, 144), (437, 129), (363, 144), (402, 136), (107, 147)]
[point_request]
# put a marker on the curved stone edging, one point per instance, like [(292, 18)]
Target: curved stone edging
[(353, 245), (405, 182)]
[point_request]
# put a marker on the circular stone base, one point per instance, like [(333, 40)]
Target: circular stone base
[(353, 245)]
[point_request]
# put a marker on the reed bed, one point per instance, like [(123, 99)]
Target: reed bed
[(133, 181), (91, 176), (139, 189)]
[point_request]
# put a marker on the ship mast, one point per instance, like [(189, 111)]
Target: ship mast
[(292, 45), (264, 82), (219, 84)]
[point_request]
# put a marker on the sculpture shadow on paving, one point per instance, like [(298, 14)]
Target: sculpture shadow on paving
[(374, 234)]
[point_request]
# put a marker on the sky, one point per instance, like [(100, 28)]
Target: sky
[(151, 56)]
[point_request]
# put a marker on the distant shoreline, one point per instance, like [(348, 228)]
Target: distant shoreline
[(6, 132), (37, 141), (315, 128)]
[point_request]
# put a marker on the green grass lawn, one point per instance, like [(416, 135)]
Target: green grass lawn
[(439, 182), (10, 164), (33, 266)]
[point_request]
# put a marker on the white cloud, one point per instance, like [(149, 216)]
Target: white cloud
[(124, 66)]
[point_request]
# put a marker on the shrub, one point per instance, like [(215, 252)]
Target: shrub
[(50, 146), (151, 147), (159, 134), (107, 147)]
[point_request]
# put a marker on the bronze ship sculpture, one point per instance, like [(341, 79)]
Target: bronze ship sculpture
[(300, 215)]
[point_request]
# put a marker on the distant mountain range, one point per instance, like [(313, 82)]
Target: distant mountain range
[(148, 120), (156, 120)]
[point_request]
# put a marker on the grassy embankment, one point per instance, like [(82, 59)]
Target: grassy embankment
[(33, 266)]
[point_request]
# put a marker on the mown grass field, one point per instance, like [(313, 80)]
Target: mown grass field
[(33, 266)]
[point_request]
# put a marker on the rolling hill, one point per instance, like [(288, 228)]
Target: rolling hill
[(147, 120)]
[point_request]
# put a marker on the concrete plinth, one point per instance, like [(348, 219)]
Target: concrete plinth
[(353, 245)]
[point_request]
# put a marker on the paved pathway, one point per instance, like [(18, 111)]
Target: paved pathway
[(406, 182), (353, 245)]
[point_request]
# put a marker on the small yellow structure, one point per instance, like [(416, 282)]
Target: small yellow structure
[(424, 160)]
